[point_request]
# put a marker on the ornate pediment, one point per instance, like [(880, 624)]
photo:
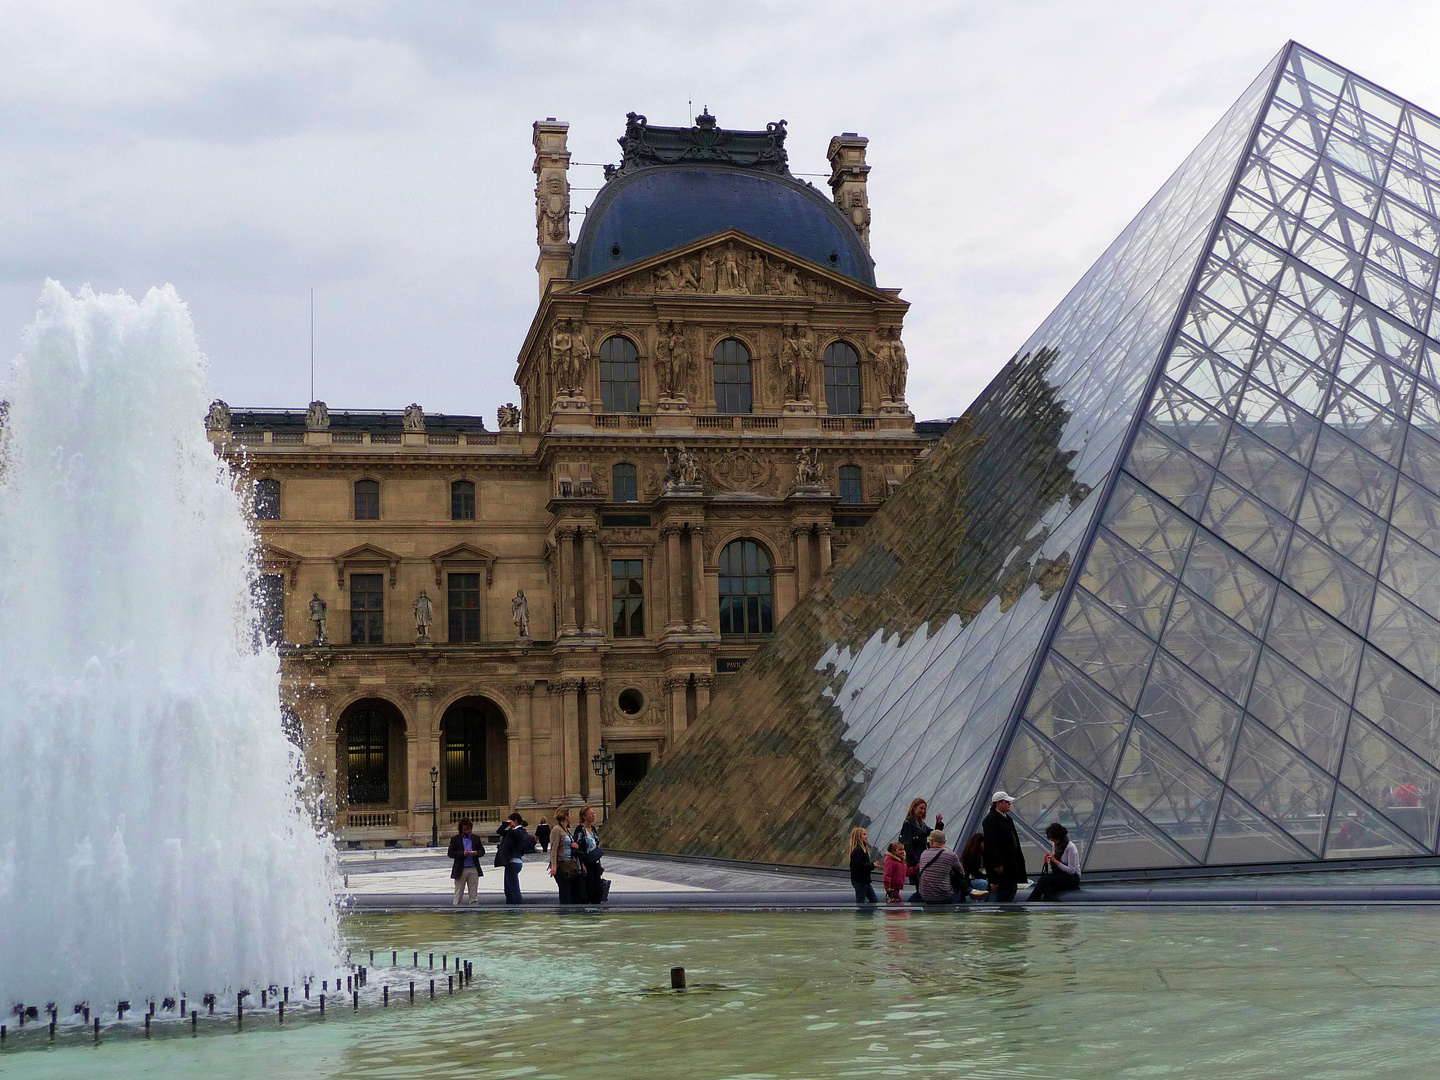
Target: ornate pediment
[(464, 557), (366, 557), (275, 559), (731, 264)]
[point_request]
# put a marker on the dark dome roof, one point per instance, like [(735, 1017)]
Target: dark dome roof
[(649, 210)]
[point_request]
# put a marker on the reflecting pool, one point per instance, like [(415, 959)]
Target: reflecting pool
[(1293, 992)]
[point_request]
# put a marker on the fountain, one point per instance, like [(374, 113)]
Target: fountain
[(153, 841)]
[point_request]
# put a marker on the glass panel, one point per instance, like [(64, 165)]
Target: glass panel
[(1316, 644), (1130, 586), (842, 378), (1422, 459), (1202, 371), (1417, 511), (1406, 633), (1190, 713), (1425, 410), (1077, 716), (1168, 470), (1048, 786), (1358, 474), (1262, 470), (732, 377), (1281, 784), (1230, 583), (1126, 840), (1316, 572), (1364, 423), (1319, 297), (624, 483), (1243, 836), (1358, 832), (1149, 525), (1350, 530), (1247, 524), (1413, 572), (463, 607), (1104, 647), (1171, 791), (1286, 371), (1280, 422), (1387, 337), (1183, 417), (1392, 780), (1299, 710), (619, 376), (1210, 645), (1400, 704)]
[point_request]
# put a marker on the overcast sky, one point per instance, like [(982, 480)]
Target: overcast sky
[(380, 154)]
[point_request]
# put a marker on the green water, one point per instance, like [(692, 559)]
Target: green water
[(1197, 993)]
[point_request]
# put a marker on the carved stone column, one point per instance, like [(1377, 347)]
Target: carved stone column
[(566, 537), (552, 199), (569, 691), (589, 573), (698, 622), (522, 746), (593, 688), (703, 685), (801, 533), (825, 555), (673, 570), (848, 173), (675, 686)]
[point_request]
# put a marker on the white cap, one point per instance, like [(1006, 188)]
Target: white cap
[(1001, 796)]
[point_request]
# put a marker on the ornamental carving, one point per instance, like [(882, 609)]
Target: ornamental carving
[(796, 363), (508, 417), (317, 416), (741, 471), (728, 268), (414, 417), (891, 366), (217, 419), (552, 211), (569, 355), (673, 360)]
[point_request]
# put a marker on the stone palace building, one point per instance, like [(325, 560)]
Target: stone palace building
[(711, 404)]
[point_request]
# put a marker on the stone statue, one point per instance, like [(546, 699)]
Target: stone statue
[(796, 352), (414, 417), (890, 363), (424, 613), (727, 275), (509, 416), (218, 418), (672, 361), (683, 471), (569, 355), (807, 468), (754, 273), (667, 278), (707, 270), (318, 608), (317, 417), (520, 615)]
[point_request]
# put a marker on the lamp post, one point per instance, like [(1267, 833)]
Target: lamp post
[(604, 764), (434, 808)]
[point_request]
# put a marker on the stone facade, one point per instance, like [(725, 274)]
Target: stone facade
[(612, 517)]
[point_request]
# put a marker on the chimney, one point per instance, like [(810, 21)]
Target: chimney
[(847, 180), (552, 200)]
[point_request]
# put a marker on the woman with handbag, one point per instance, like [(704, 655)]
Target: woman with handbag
[(587, 843), (565, 860)]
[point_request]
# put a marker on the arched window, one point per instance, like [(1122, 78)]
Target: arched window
[(462, 500), (267, 500), (367, 731), (619, 376), (624, 483), (842, 378), (732, 377), (745, 593), (851, 490), (465, 773), (367, 500)]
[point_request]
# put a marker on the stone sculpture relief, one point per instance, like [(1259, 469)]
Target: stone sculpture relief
[(317, 417), (681, 471), (741, 470), (891, 365), (807, 469), (414, 417), (730, 270), (569, 356), (508, 416), (217, 419), (797, 358), (672, 361), (552, 211)]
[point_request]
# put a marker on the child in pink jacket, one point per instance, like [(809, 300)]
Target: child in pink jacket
[(894, 876)]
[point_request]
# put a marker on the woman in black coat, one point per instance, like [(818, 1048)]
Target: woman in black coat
[(915, 833)]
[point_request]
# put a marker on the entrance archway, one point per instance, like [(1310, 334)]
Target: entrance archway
[(370, 765), (474, 756)]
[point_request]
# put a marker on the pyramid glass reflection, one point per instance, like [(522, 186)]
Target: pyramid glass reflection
[(1174, 580)]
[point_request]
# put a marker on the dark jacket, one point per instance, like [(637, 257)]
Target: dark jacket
[(457, 852), (861, 865), (1002, 849), (915, 835), (515, 843), (542, 832)]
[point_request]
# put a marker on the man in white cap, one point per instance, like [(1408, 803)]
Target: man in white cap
[(1004, 861)]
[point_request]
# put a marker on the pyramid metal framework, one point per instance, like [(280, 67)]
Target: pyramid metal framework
[(1174, 581)]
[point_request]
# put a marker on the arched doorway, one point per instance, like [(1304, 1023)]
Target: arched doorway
[(370, 765), (474, 757)]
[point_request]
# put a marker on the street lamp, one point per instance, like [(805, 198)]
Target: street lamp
[(434, 808), (604, 764)]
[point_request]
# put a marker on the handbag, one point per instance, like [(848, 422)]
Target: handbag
[(604, 889), (569, 867)]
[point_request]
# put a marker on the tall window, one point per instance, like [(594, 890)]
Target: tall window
[(619, 376), (367, 500), (464, 607), (627, 597), (368, 755), (367, 609), (269, 596), (732, 377), (851, 490), (462, 501), (745, 604), (267, 500), (465, 754), (624, 483), (842, 378)]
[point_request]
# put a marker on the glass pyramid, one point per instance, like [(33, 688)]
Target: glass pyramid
[(1174, 579)]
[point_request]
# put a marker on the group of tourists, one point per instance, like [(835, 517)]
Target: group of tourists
[(575, 857), (991, 865)]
